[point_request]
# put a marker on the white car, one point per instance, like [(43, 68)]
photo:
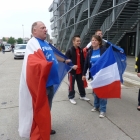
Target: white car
[(19, 51), (7, 48)]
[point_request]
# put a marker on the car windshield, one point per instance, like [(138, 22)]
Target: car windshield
[(20, 47), (7, 46)]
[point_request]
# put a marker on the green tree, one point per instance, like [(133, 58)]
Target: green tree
[(19, 41), (11, 40), (4, 39)]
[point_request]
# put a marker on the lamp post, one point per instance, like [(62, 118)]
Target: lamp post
[(23, 32)]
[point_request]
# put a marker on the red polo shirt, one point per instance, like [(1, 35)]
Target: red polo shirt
[(78, 70)]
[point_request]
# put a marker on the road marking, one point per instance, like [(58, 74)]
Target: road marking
[(131, 66), (131, 81), (130, 74)]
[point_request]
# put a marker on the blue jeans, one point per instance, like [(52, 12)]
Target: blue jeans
[(50, 94), (100, 103)]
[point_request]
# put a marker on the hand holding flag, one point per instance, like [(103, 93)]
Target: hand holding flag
[(107, 73)]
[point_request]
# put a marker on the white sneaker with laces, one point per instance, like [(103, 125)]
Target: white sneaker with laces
[(102, 115), (73, 101), (85, 98)]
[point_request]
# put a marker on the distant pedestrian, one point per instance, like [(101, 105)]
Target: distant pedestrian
[(12, 47), (3, 48), (138, 74)]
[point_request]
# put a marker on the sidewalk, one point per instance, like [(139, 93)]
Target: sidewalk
[(71, 122), (130, 76)]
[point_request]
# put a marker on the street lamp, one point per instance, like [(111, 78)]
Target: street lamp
[(23, 32)]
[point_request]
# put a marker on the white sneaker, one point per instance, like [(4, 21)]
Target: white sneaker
[(102, 115), (94, 109), (85, 98), (73, 101)]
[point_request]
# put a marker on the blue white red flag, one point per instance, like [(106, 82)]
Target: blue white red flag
[(107, 73)]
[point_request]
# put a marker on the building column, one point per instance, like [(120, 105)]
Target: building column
[(137, 44), (88, 13), (137, 40), (74, 15), (113, 15)]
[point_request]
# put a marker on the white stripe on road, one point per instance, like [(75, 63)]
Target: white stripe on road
[(131, 81), (130, 74)]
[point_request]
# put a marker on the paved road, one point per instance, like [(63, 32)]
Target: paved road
[(71, 122), (131, 64)]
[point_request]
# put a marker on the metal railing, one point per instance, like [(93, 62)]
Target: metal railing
[(108, 23), (96, 9), (69, 41), (128, 21), (92, 16), (84, 6), (72, 13)]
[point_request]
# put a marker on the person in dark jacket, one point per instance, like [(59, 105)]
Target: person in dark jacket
[(138, 74), (93, 55), (12, 47), (75, 53), (3, 48)]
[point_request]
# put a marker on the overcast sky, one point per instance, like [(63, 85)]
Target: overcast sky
[(15, 13)]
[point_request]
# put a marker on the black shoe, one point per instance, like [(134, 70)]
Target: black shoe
[(53, 132)]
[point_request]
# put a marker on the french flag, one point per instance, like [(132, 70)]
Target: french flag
[(107, 73), (34, 110)]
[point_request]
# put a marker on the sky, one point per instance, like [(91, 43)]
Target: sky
[(17, 16)]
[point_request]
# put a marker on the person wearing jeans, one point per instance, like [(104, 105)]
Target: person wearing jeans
[(93, 55), (39, 31), (138, 74)]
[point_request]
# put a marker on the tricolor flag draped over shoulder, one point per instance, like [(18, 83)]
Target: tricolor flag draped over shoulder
[(34, 110), (62, 67), (107, 73)]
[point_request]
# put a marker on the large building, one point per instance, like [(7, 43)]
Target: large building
[(119, 21)]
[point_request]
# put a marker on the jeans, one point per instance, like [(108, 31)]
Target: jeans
[(50, 94), (100, 103)]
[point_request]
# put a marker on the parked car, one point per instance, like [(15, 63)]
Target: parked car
[(7, 48), (19, 50)]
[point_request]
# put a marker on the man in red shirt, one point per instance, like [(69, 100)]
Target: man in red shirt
[(75, 53)]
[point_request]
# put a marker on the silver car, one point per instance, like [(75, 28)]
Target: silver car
[(19, 51), (7, 48)]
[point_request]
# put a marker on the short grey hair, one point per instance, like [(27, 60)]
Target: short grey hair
[(33, 26)]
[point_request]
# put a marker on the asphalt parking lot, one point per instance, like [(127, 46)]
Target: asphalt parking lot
[(71, 122)]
